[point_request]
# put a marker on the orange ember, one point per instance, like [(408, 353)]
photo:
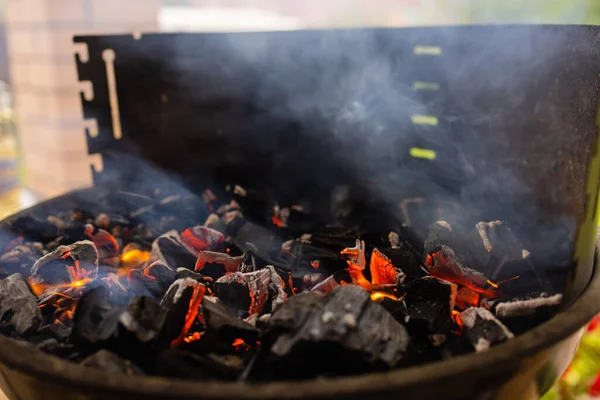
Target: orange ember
[(466, 297), (492, 284), (192, 313), (376, 296), (193, 337), (382, 269), (134, 258), (358, 278), (240, 345), (457, 318), (447, 269), (277, 221), (147, 273)]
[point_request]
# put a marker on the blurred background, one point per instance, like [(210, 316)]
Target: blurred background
[(43, 151)]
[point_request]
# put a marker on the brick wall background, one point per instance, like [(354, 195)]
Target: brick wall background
[(44, 81)]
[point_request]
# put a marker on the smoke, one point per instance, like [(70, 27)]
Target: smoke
[(301, 115)]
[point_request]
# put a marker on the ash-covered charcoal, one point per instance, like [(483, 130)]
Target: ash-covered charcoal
[(444, 264), (62, 350), (20, 258), (57, 330), (340, 333), (67, 264), (110, 362), (130, 331), (482, 329), (215, 265), (156, 278), (339, 278), (429, 303), (183, 273), (277, 293), (170, 249), (19, 312), (222, 327), (182, 302), (440, 233), (456, 344), (525, 312), (244, 294), (182, 364), (202, 238), (35, 228)]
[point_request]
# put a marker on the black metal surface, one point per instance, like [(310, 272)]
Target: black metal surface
[(294, 114)]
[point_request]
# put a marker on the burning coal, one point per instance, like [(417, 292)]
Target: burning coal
[(148, 292)]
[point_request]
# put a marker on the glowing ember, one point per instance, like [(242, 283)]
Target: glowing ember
[(202, 238), (193, 337), (134, 258), (382, 269), (376, 296), (192, 313), (457, 318), (466, 297), (443, 265)]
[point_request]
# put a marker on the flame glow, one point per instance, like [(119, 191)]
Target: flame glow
[(376, 296)]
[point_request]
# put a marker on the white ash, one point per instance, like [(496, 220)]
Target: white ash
[(276, 280), (349, 320), (232, 264), (287, 245), (326, 286), (444, 224), (327, 317), (305, 238), (394, 239), (257, 283), (240, 191), (525, 254), (356, 261), (483, 228), (177, 288), (520, 308), (212, 219), (482, 345), (469, 316)]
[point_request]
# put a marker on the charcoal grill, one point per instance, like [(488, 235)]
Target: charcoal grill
[(499, 118)]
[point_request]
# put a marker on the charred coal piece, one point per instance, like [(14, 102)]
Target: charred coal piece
[(406, 260), (244, 294), (340, 333), (35, 229), (525, 312), (215, 265), (183, 273), (440, 234), (107, 245), (182, 302), (222, 327), (57, 330), (67, 264), (170, 249), (339, 278), (334, 239), (202, 238), (429, 303), (19, 312), (156, 278), (95, 319), (20, 258), (182, 364), (110, 362), (482, 329)]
